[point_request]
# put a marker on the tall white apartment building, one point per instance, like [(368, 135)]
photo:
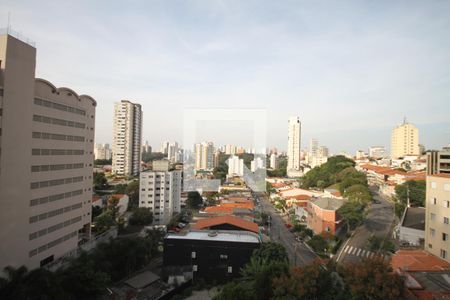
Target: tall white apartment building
[(377, 151), (146, 148), (293, 152), (273, 161), (313, 147), (204, 156), (404, 140), (164, 147), (46, 158), (317, 155), (437, 218), (127, 135), (360, 154), (102, 151), (257, 163), (172, 152), (235, 166), (230, 149), (160, 190)]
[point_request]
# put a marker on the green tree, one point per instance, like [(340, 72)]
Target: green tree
[(100, 181), (358, 193), (271, 251), (132, 190), (141, 216), (102, 162), (194, 200), (415, 189), (120, 188), (353, 213), (104, 221)]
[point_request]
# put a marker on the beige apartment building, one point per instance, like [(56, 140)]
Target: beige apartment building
[(437, 220), (46, 144), (127, 138), (204, 156), (404, 140), (438, 161)]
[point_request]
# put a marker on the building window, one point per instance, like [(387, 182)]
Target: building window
[(432, 217), (194, 268), (193, 254), (223, 256), (432, 231), (443, 254), (433, 201), (433, 184), (447, 187), (445, 220), (446, 203), (444, 236), (430, 246), (230, 269)]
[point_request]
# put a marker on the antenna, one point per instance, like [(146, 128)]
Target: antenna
[(405, 121)]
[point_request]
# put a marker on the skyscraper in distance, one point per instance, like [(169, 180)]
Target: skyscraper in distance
[(127, 134), (404, 140), (294, 141)]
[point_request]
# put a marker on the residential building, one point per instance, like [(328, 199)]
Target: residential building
[(437, 220), (230, 149), (217, 157), (127, 132), (360, 154), (235, 166), (102, 151), (47, 144), (257, 163), (204, 156), (164, 147), (146, 148), (438, 162), (274, 161), (294, 141), (210, 255), (404, 140), (160, 190), (323, 216), (172, 152), (317, 155), (377, 152)]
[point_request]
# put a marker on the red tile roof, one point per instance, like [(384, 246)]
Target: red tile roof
[(443, 175), (219, 209), (235, 221), (417, 260)]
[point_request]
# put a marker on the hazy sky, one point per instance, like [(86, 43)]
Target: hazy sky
[(351, 70)]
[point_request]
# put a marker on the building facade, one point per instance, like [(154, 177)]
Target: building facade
[(127, 135), (46, 158), (437, 219), (102, 151), (204, 156), (377, 152), (257, 163), (438, 162), (235, 166), (160, 190), (404, 140), (273, 161), (293, 152)]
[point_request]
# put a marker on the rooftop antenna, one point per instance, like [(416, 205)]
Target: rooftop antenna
[(405, 121)]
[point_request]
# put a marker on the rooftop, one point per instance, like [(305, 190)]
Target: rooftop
[(327, 203), (142, 280), (417, 260), (238, 222), (414, 218), (219, 235), (442, 175)]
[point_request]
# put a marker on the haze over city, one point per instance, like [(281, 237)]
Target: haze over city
[(349, 79)]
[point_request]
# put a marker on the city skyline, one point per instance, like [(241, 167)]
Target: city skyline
[(372, 64)]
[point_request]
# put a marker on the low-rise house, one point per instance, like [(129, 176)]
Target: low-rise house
[(323, 216), (226, 223), (412, 226)]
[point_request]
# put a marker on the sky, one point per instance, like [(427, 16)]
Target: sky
[(351, 70)]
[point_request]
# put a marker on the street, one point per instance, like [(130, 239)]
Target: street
[(378, 222), (299, 254)]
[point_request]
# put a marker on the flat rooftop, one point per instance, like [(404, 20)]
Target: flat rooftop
[(219, 235)]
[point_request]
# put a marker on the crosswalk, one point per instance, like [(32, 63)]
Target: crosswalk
[(363, 253)]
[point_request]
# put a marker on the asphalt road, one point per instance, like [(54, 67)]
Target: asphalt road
[(299, 254), (378, 223)]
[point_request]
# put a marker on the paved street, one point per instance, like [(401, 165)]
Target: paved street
[(378, 222), (298, 253)]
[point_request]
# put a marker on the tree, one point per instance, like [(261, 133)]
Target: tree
[(194, 200), (310, 282), (352, 213), (415, 189), (102, 162), (271, 251), (318, 243), (358, 193), (132, 190), (141, 216), (327, 174), (104, 221), (100, 181), (236, 291), (120, 188), (151, 156), (373, 279)]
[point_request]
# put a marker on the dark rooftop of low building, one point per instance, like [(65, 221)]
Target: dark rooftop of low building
[(414, 218)]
